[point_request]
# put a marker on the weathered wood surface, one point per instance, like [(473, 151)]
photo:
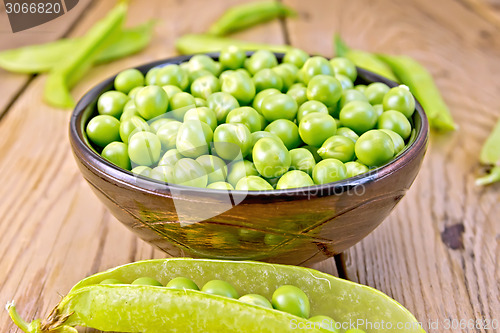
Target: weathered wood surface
[(438, 251)]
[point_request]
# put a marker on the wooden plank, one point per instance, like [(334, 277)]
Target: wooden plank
[(53, 230), (11, 84), (438, 251)]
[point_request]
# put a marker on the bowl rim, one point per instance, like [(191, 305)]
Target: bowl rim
[(92, 158)]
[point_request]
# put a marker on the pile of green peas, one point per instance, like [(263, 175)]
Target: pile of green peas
[(287, 298), (251, 123)]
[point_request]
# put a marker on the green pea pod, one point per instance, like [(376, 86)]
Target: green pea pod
[(490, 155), (200, 43), (363, 59), (44, 57), (140, 308), (248, 15), (421, 84), (76, 64)]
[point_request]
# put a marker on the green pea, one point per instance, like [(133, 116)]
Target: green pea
[(398, 141), (329, 171), (147, 281), (129, 110), (288, 74), (222, 103), (131, 94), (348, 133), (257, 102), (215, 168), (294, 179), (142, 170), (315, 66), (325, 89), (205, 86), (400, 99), (314, 152), (132, 125), (316, 127), (188, 172), (151, 76), (220, 186), (350, 95), (232, 57), (345, 67), (259, 60), (103, 129), (117, 153), (379, 109), (395, 121), (266, 79), (375, 92), (247, 116), (171, 90), (271, 158), (170, 158), (310, 107), (296, 57), (180, 103), (221, 288), (253, 183), (111, 281), (374, 148), (163, 173), (198, 74), (174, 75), (144, 148), (168, 134), (151, 102), (325, 322), (292, 300), (203, 114), (240, 86), (182, 283), (339, 147), (279, 106), (231, 140), (193, 138), (202, 61), (302, 159), (287, 131), (157, 123), (355, 168), (128, 79), (240, 169), (361, 88), (344, 81), (299, 94), (111, 103), (200, 102), (255, 299), (255, 136), (358, 116)]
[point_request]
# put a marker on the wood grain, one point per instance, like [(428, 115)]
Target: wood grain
[(438, 251)]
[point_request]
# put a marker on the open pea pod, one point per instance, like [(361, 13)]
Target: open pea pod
[(139, 308)]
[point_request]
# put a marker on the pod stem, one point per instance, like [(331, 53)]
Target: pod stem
[(492, 177), (16, 318)]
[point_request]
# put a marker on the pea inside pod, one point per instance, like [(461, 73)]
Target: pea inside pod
[(145, 308)]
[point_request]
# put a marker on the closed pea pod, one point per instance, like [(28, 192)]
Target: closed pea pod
[(490, 156)]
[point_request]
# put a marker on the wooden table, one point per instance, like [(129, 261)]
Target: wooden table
[(438, 251)]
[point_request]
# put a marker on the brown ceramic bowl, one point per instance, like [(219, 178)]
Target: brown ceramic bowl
[(297, 226)]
